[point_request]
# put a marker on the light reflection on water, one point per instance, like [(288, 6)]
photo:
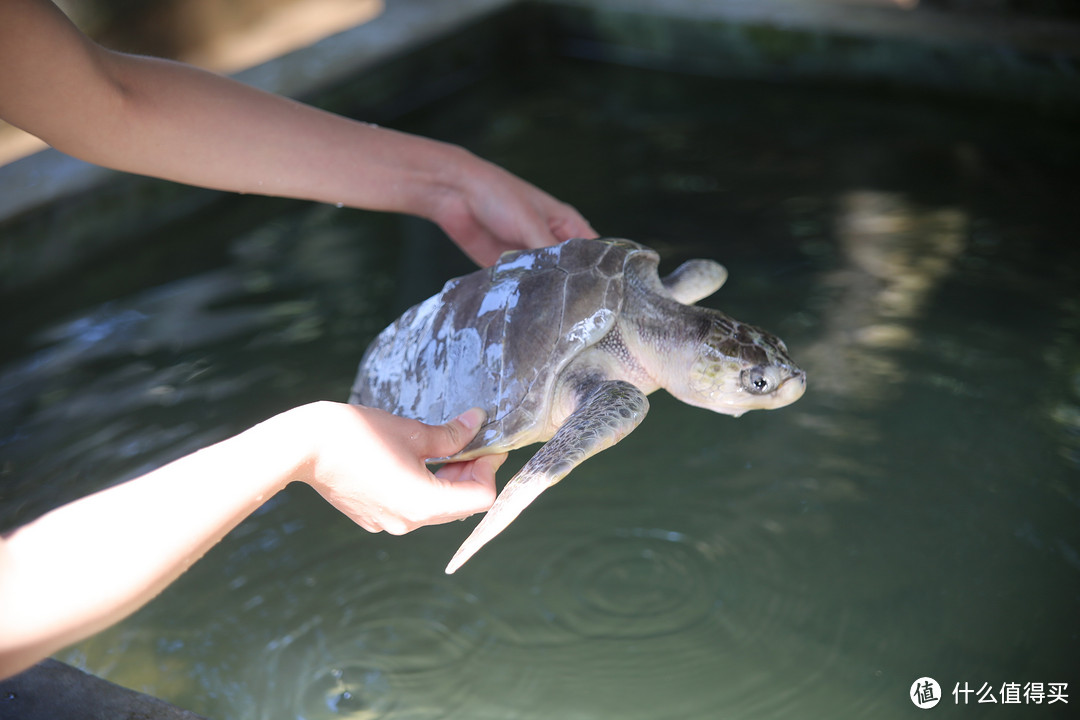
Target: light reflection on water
[(914, 514)]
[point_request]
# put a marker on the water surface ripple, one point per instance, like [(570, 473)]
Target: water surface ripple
[(389, 648), (916, 513)]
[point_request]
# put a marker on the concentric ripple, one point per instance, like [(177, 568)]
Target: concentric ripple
[(388, 650), (632, 583), (658, 622)]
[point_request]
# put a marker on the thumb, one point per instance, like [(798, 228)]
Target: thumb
[(446, 439)]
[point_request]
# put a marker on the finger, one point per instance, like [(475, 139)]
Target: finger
[(480, 471), (483, 248), (494, 462), (538, 232), (572, 225), (444, 440), (471, 484)]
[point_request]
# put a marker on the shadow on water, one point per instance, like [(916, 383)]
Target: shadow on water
[(915, 514)]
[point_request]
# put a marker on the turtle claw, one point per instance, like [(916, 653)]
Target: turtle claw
[(515, 497)]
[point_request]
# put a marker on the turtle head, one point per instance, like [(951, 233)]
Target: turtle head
[(736, 367)]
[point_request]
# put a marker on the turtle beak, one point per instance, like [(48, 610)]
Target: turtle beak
[(791, 389)]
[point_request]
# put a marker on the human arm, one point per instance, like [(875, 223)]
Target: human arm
[(88, 564), (170, 120)]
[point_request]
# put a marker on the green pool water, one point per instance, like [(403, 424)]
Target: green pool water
[(916, 514)]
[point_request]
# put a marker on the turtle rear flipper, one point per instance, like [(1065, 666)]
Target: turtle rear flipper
[(606, 416)]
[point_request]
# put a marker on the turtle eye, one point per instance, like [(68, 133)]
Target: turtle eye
[(756, 380)]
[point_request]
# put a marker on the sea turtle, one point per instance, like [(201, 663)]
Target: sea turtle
[(562, 345)]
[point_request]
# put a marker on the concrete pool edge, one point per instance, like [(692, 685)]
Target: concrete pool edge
[(405, 26), (56, 212), (1028, 62), (1032, 63), (53, 689)]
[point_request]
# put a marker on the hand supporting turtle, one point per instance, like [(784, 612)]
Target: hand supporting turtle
[(393, 490), (561, 345), (88, 564)]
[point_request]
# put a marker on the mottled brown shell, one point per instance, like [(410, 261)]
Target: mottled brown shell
[(499, 339)]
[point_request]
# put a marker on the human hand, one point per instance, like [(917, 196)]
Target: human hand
[(93, 561), (371, 466), (491, 211)]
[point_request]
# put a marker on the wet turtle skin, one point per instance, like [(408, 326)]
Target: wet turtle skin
[(563, 344)]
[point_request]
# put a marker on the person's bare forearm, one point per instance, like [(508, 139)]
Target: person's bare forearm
[(167, 119), (170, 120), (92, 562), (182, 123), (87, 564)]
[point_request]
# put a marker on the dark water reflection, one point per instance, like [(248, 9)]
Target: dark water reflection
[(916, 513)]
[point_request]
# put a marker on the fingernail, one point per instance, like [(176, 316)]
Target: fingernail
[(472, 418)]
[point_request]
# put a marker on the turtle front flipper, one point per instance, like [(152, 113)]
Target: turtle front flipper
[(606, 416), (695, 280)]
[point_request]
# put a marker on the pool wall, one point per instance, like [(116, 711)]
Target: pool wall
[(57, 212)]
